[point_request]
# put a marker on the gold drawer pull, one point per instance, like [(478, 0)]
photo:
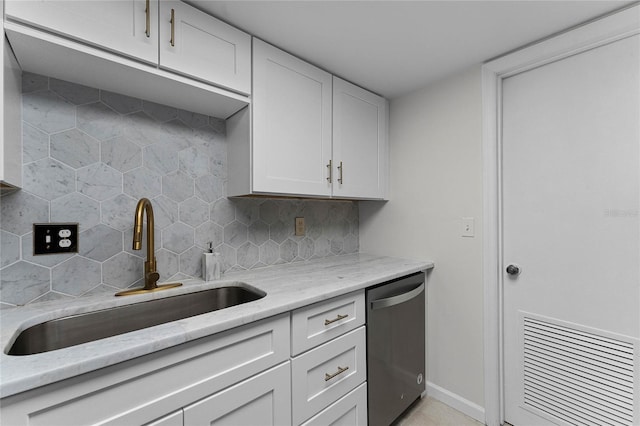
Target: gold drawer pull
[(173, 28), (338, 318), (147, 12), (328, 376)]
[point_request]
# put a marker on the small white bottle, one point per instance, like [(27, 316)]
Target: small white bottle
[(210, 264)]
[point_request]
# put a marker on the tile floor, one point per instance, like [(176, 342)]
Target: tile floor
[(430, 412)]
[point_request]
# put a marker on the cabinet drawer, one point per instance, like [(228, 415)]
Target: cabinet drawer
[(350, 410), (261, 400), (323, 321), (325, 374)]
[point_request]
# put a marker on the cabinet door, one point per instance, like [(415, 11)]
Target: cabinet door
[(291, 124), (360, 142), (10, 119), (202, 47), (129, 27), (174, 419), (350, 410), (264, 399)]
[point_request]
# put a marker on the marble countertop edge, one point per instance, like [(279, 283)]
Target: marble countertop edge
[(288, 287)]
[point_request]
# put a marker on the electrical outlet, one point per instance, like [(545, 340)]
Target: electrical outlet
[(51, 238), (299, 226)]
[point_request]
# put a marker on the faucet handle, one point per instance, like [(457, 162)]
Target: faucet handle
[(151, 279)]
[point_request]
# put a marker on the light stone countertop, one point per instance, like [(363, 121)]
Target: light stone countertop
[(287, 286)]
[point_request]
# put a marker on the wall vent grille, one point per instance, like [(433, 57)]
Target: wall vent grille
[(578, 377)]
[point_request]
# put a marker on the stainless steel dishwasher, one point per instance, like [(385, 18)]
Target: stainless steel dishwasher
[(395, 347)]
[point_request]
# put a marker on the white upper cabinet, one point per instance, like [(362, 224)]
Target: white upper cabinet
[(360, 142), (129, 27), (189, 41), (291, 124), (203, 47)]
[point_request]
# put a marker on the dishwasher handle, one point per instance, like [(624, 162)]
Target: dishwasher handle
[(396, 300)]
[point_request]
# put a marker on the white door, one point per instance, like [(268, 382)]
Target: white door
[(360, 149), (291, 124), (571, 189), (203, 47), (129, 27)]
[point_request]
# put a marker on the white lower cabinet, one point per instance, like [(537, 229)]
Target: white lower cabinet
[(350, 410), (173, 419), (263, 400)]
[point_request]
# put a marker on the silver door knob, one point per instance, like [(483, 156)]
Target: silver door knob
[(513, 269)]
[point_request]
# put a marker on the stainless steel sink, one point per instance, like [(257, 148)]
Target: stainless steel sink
[(87, 327)]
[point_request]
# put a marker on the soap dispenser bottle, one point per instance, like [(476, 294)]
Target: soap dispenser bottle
[(210, 264)]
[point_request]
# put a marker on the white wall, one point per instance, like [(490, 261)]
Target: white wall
[(436, 179)]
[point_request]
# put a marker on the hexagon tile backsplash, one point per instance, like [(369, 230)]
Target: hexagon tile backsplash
[(89, 155)]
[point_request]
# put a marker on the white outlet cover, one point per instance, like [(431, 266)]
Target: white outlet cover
[(468, 228)]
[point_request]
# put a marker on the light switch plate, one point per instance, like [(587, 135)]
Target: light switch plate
[(468, 228), (299, 226), (52, 238)]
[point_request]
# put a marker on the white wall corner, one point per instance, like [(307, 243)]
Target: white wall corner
[(453, 400)]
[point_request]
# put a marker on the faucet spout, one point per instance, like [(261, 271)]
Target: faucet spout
[(151, 275)]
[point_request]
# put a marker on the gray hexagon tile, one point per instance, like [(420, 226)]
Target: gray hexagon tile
[(209, 232), (74, 93), (280, 231), (76, 207), (161, 158), (218, 124), (248, 255), (121, 154), (209, 189), (142, 183), (43, 260), (258, 233), (166, 264), (52, 295), (322, 248), (48, 178), (99, 181), (100, 242), (76, 276), (34, 82), (229, 257), (22, 282), (165, 211), (159, 112), (178, 237), (48, 112), (247, 210), (176, 133), (269, 212), (223, 212), (118, 212), (194, 212), (336, 245), (9, 248), (20, 210), (177, 186), (235, 234), (306, 248), (191, 262), (351, 244), (288, 250), (99, 121), (75, 148), (35, 143), (193, 162), (122, 270), (269, 252), (140, 128), (120, 103)]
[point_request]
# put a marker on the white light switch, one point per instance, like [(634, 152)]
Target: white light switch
[(468, 227)]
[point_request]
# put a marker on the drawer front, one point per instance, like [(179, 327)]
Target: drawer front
[(325, 374), (350, 410), (264, 400), (316, 324)]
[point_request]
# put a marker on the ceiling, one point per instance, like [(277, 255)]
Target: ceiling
[(395, 47)]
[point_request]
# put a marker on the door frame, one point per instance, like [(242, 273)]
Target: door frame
[(615, 26)]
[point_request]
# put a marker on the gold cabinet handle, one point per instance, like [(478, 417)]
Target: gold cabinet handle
[(338, 318), (340, 178), (147, 11), (341, 370), (329, 166), (173, 28)]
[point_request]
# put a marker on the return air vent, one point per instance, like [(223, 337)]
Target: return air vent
[(577, 377)]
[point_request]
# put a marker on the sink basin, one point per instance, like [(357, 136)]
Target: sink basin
[(87, 327)]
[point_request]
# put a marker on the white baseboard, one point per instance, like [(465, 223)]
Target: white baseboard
[(453, 400)]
